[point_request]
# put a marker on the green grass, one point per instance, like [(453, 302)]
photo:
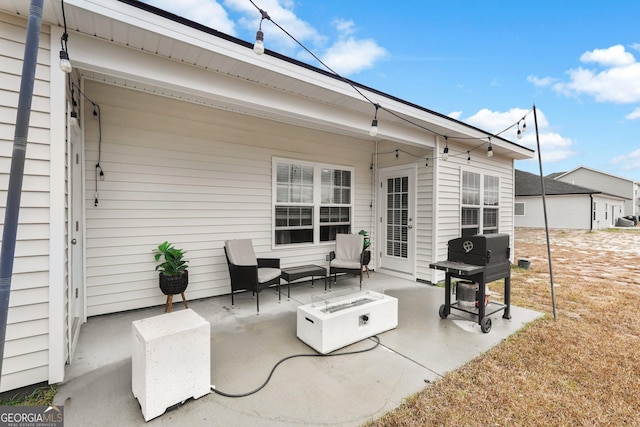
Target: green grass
[(41, 396)]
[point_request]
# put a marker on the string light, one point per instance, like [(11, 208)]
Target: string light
[(468, 157), (73, 118), (374, 122), (258, 46), (65, 64), (445, 153), (259, 49)]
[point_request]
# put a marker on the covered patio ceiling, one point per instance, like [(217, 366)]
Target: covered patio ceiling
[(143, 28)]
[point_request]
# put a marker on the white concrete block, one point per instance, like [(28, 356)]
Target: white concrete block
[(334, 323), (171, 360)]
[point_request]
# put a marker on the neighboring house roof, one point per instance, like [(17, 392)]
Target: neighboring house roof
[(561, 174), (528, 184), (555, 175)]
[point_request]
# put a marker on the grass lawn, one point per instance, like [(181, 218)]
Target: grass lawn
[(581, 369)]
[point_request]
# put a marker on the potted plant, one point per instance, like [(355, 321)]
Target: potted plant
[(365, 248), (174, 276)]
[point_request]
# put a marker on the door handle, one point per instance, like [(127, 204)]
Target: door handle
[(74, 241)]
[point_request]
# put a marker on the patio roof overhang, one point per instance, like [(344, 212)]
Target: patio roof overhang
[(151, 50)]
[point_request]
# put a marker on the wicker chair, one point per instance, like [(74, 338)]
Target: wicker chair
[(249, 273), (348, 256)]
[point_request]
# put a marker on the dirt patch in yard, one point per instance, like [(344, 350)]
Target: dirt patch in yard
[(582, 369)]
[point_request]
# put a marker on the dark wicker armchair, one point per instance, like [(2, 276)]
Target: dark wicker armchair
[(349, 256), (249, 273)]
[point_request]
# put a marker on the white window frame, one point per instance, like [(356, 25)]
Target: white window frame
[(481, 207), (317, 200)]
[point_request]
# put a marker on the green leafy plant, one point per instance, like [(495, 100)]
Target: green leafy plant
[(173, 263), (367, 241)]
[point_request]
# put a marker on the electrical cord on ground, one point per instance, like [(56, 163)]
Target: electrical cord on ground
[(222, 393)]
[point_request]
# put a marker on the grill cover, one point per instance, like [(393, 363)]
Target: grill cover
[(489, 250)]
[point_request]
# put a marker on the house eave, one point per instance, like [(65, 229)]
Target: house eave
[(144, 28)]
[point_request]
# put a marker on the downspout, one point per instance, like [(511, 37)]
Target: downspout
[(591, 211)]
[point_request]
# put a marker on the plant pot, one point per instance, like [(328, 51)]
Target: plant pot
[(366, 259), (172, 285)]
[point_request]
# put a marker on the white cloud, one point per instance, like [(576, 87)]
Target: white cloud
[(345, 27), (205, 12), (351, 55), (615, 56), (455, 115), (614, 77), (537, 81), (628, 161), (553, 146), (635, 114)]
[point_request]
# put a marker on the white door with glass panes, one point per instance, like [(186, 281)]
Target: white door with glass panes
[(397, 220)]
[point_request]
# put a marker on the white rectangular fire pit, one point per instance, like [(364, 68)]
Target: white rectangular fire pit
[(330, 323)]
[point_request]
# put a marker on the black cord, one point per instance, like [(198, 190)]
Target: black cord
[(222, 393)]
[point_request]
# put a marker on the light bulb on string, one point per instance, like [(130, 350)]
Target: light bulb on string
[(65, 64), (258, 46), (519, 134), (524, 125), (73, 120), (490, 149), (445, 152), (374, 123), (468, 157)]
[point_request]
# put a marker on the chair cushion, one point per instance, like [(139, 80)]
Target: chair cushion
[(348, 248), (340, 263), (240, 252), (267, 274)]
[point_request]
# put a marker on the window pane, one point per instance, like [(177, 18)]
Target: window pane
[(294, 217), (491, 190), (470, 216), (470, 188)]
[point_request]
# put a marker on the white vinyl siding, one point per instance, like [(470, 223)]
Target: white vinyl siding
[(195, 176), (449, 193), (26, 354)]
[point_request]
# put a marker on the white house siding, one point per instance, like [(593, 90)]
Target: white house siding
[(195, 176), (449, 195), (605, 183), (566, 211), (569, 211), (26, 350), (424, 186)]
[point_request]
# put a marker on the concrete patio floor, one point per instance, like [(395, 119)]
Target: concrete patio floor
[(329, 391)]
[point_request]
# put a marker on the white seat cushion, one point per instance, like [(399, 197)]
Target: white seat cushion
[(266, 274)]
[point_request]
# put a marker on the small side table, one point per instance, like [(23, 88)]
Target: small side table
[(294, 273), (170, 360)]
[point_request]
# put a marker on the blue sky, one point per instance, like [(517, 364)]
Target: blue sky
[(483, 62)]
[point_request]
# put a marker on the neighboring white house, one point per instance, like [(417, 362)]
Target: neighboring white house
[(201, 140), (568, 206), (606, 183)]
